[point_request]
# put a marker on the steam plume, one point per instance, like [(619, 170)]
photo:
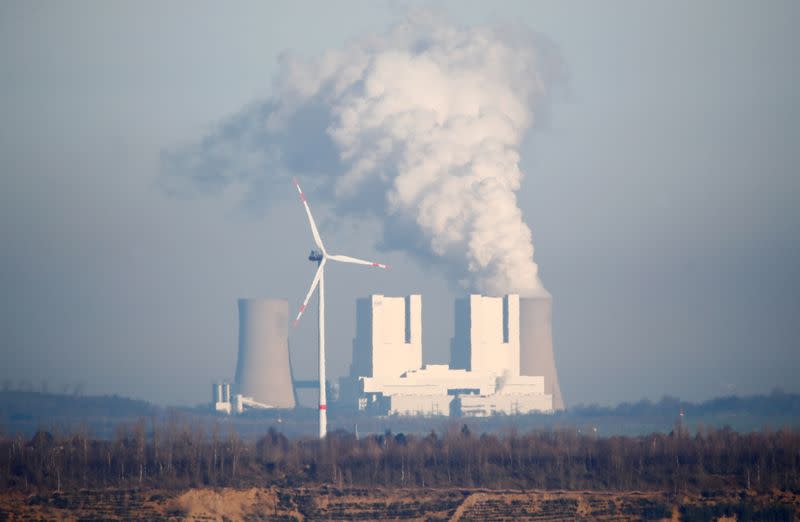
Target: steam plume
[(420, 128)]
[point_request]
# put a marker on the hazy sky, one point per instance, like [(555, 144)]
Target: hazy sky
[(663, 194)]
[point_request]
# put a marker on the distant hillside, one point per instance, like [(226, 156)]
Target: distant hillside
[(26, 412), (776, 403), (743, 414), (776, 410)]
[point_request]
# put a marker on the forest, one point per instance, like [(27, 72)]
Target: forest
[(175, 453)]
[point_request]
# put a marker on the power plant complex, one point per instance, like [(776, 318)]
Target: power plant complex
[(501, 359), (501, 354), (484, 375)]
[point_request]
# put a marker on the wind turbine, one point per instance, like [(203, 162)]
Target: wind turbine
[(321, 257)]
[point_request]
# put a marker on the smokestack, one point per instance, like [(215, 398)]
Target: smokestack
[(262, 370), (536, 344)]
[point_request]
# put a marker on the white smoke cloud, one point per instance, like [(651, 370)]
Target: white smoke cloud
[(420, 127)]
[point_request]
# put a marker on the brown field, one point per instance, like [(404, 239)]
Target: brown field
[(326, 503)]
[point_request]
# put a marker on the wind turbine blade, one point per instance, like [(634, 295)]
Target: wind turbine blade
[(314, 284), (314, 231), (348, 259)]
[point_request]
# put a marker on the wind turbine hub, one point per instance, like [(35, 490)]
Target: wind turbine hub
[(315, 256)]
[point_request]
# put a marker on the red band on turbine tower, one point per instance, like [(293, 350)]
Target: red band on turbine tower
[(323, 407)]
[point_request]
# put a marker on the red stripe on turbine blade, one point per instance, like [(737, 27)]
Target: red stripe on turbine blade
[(297, 319), (323, 407), (376, 264)]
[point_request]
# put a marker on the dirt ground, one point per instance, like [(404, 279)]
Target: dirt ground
[(327, 503)]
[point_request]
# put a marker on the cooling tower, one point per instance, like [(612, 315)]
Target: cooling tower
[(536, 344), (262, 370)]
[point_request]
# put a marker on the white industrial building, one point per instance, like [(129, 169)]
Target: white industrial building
[(387, 376), (221, 397)]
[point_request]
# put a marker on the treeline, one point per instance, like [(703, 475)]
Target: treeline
[(175, 454)]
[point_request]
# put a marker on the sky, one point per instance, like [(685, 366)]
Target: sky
[(661, 188)]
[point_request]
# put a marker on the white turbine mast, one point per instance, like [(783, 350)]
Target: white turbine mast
[(321, 257)]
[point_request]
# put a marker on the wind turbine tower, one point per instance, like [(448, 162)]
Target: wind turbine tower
[(321, 257)]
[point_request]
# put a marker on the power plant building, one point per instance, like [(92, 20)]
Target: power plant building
[(388, 338), (486, 334), (387, 375)]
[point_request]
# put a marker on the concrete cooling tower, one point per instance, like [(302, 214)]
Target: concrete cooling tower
[(262, 370), (536, 344)]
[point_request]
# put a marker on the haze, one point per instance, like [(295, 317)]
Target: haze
[(661, 190)]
